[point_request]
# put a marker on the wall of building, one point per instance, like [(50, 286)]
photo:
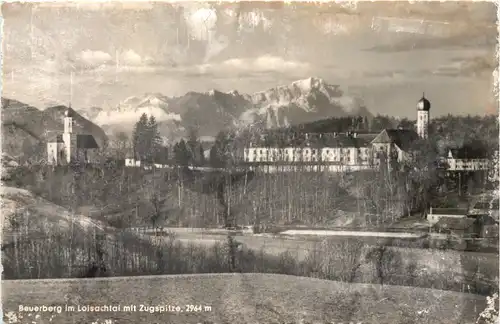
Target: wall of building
[(344, 155), (422, 123), (69, 146), (467, 164), (53, 153)]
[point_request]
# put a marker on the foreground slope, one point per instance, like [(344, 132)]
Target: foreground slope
[(242, 298), (35, 214)]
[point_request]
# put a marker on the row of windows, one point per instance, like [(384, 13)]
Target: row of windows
[(346, 158), (308, 152)]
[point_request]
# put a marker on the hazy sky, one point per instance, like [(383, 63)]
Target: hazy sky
[(386, 52)]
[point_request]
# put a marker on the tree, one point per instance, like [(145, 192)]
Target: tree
[(140, 138), (202, 155), (214, 157), (421, 172), (120, 145), (157, 205), (222, 152), (193, 145), (181, 153), (366, 124), (153, 139), (146, 140)]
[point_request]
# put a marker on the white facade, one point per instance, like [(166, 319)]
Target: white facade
[(68, 146), (422, 123), (467, 164), (339, 155), (455, 164), (55, 153), (132, 162)]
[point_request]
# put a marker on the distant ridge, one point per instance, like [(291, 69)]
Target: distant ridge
[(301, 101)]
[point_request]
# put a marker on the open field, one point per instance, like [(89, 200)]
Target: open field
[(302, 246), (240, 298)]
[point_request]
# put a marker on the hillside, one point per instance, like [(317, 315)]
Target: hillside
[(301, 101), (37, 215), (26, 129), (29, 118), (19, 142), (241, 298)]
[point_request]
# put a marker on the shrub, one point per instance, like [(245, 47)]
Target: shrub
[(490, 314)]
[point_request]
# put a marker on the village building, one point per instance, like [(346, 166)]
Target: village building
[(69, 147), (353, 151)]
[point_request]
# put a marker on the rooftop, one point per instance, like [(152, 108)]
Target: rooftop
[(403, 138)]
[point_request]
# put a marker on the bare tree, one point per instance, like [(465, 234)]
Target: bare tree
[(156, 214), (343, 259)]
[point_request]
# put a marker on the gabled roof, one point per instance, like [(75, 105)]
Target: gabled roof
[(403, 138), (82, 141), (86, 141), (347, 141)]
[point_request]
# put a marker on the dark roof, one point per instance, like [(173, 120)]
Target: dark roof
[(348, 141), (322, 140), (86, 141), (424, 104), (468, 152), (69, 112), (56, 139), (403, 138)]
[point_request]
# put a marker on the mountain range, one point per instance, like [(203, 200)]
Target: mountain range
[(26, 129), (209, 112)]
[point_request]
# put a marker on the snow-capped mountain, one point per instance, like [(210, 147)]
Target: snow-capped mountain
[(130, 110), (301, 101)]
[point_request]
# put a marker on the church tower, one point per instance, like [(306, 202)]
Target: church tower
[(423, 109), (69, 138)]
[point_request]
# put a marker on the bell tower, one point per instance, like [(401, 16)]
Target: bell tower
[(423, 116), (69, 138)]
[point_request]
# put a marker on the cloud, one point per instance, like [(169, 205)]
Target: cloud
[(201, 22), (130, 58), (467, 39), (248, 21), (94, 58), (262, 64), (469, 67)]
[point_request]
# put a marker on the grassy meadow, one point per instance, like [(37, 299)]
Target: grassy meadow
[(240, 298)]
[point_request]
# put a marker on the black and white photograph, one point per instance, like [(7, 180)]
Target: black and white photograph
[(249, 162)]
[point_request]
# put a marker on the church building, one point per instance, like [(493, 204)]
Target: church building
[(70, 147)]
